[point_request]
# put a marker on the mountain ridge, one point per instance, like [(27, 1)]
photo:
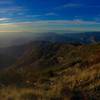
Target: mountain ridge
[(84, 38)]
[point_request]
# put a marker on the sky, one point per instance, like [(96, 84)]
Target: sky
[(38, 16)]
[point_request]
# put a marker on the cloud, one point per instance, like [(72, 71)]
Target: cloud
[(5, 19), (11, 9), (50, 14), (59, 22), (36, 17), (51, 22), (41, 15), (50, 25), (15, 12), (6, 2), (69, 5), (33, 16), (76, 5)]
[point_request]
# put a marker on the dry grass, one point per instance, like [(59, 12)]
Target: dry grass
[(61, 87), (77, 77)]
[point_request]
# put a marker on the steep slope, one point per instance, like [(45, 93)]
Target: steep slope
[(6, 60), (9, 55), (54, 71), (47, 54)]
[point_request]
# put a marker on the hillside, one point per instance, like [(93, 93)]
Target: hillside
[(9, 55), (46, 54), (53, 71), (16, 48)]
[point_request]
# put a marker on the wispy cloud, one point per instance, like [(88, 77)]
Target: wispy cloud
[(76, 5), (51, 22), (33, 16), (50, 25), (69, 5), (11, 9), (51, 14), (36, 16), (59, 22), (6, 2), (4, 19)]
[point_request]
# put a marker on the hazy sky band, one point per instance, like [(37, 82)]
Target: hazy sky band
[(47, 25)]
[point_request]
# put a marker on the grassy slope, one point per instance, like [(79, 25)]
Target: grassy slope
[(74, 75)]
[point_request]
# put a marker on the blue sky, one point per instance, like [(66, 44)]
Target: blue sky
[(39, 16)]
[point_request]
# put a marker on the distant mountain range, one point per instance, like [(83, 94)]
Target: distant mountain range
[(8, 55), (84, 38)]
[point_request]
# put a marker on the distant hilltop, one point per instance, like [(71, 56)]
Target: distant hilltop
[(83, 38)]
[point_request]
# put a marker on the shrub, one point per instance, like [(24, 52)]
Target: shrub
[(28, 96)]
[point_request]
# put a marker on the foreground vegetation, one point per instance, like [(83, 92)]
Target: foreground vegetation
[(63, 72)]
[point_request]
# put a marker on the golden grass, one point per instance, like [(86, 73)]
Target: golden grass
[(61, 87)]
